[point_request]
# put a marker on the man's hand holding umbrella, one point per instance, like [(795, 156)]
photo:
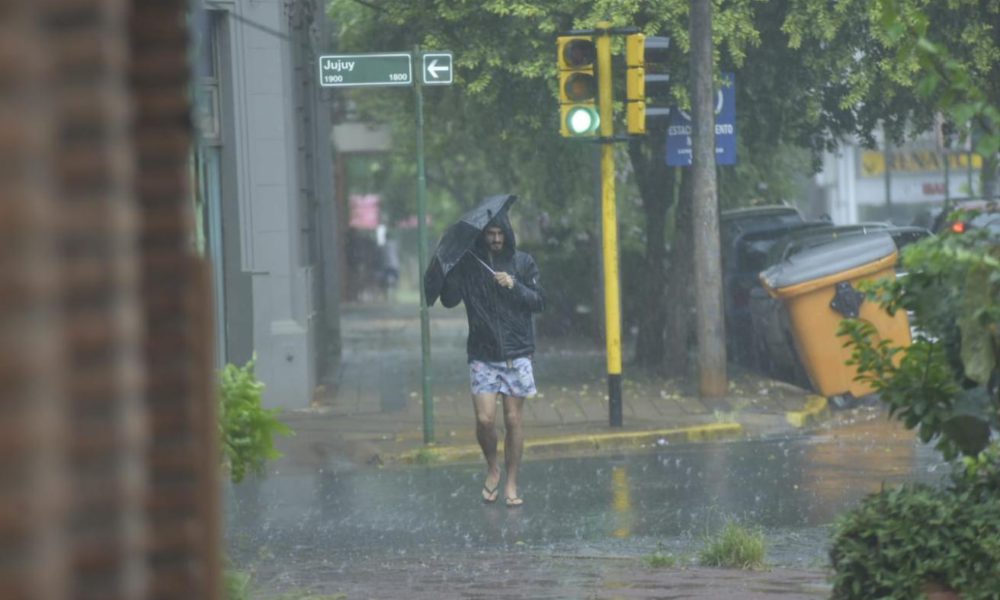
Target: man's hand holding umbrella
[(504, 279)]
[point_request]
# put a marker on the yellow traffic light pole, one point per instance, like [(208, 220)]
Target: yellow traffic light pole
[(609, 229), (581, 52)]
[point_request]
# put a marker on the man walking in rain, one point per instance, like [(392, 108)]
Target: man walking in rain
[(500, 288)]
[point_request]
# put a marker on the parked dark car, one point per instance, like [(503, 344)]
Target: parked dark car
[(738, 268), (738, 221), (989, 220), (968, 211), (771, 331)]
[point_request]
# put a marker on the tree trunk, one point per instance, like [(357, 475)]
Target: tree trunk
[(680, 299), (656, 184), (712, 381)]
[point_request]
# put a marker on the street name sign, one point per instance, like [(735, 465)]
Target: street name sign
[(679, 129), (437, 68), (355, 70)]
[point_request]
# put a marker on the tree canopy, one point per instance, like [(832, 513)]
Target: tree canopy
[(498, 124), (895, 65), (808, 73)]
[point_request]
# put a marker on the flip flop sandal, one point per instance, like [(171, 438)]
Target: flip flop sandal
[(513, 502), (490, 496)]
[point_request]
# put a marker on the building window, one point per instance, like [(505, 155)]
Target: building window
[(207, 65)]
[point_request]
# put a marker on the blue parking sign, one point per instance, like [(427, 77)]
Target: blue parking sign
[(679, 130)]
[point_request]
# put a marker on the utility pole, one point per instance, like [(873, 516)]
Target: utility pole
[(425, 322), (712, 380)]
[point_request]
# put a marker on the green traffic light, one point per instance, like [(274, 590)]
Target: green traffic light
[(581, 120)]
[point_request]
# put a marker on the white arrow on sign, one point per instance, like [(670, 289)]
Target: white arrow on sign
[(437, 68), (433, 68)]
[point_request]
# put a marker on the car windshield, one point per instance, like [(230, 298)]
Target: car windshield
[(767, 221), (754, 249)]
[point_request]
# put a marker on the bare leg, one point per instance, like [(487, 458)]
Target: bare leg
[(513, 442), (486, 435)]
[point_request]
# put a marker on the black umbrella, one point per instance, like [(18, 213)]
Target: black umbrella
[(458, 239)]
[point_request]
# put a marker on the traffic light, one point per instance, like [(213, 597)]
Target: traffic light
[(646, 80), (577, 86)]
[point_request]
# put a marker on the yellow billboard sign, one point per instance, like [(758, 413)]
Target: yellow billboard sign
[(915, 161)]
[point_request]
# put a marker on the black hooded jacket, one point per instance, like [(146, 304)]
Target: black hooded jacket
[(500, 326)]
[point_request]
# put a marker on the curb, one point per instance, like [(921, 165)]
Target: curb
[(578, 443), (816, 409)]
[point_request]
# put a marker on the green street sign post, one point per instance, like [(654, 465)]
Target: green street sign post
[(395, 69), (353, 70)]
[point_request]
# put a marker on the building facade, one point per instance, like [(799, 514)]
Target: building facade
[(266, 191), (894, 183)]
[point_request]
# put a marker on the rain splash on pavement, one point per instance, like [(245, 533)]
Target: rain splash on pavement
[(588, 521)]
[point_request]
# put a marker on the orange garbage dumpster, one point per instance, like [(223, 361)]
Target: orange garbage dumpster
[(819, 289)]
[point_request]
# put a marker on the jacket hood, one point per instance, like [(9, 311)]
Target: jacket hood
[(509, 243)]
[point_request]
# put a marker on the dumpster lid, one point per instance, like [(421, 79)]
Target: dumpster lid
[(841, 255)]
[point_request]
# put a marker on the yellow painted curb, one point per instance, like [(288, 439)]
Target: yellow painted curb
[(815, 409), (579, 442)]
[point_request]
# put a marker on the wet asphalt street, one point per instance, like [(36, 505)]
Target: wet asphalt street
[(586, 528)]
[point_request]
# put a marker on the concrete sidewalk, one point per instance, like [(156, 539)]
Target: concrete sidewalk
[(374, 415)]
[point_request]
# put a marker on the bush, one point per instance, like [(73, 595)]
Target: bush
[(246, 428), (945, 386), (735, 546), (979, 476), (902, 539)]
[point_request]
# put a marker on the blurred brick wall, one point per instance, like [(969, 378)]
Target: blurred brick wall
[(101, 327), (183, 465), (33, 474), (108, 466)]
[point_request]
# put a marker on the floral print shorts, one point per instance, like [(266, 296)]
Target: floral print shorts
[(497, 378)]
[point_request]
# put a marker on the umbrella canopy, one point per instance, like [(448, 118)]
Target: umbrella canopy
[(458, 239)]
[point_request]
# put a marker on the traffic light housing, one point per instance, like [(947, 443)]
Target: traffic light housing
[(646, 80), (577, 56)]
